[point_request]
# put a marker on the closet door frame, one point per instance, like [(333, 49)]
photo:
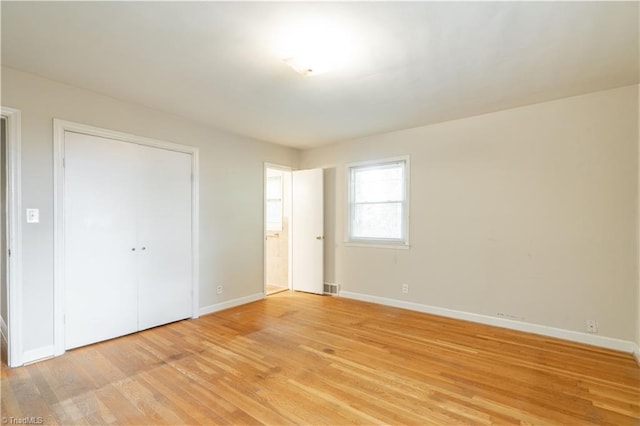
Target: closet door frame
[(59, 129)]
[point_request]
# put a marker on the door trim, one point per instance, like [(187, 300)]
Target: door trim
[(14, 235), (264, 225), (59, 128)]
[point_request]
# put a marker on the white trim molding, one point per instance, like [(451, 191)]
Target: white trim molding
[(231, 303), (404, 242), (59, 129), (574, 336), (14, 232), (39, 354), (636, 353)]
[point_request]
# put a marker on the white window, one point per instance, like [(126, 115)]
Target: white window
[(378, 205), (274, 202)]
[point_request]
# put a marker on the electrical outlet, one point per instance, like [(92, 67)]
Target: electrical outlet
[(219, 289), (592, 326), (405, 288), (33, 215)]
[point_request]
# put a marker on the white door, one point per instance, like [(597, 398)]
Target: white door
[(164, 236), (307, 231), (101, 293), (128, 259)]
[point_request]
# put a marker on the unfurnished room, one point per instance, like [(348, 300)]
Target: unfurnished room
[(320, 213)]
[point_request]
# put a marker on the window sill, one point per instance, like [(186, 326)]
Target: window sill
[(378, 245)]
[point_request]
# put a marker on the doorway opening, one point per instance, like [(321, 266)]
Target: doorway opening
[(4, 239), (125, 286), (277, 229), (10, 239)]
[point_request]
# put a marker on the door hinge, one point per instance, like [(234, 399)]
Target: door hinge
[(64, 163), (9, 252)]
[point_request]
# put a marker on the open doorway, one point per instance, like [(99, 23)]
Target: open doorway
[(277, 229), (10, 239), (4, 237)]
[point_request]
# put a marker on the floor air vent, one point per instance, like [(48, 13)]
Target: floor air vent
[(331, 288)]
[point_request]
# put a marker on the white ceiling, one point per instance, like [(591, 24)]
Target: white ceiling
[(413, 63)]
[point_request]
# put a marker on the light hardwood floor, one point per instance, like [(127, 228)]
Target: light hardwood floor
[(298, 358), (273, 289)]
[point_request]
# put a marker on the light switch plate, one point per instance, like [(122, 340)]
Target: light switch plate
[(33, 215)]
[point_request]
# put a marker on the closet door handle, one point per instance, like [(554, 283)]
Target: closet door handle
[(133, 249), (144, 248)]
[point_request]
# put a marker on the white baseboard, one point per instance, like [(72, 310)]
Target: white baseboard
[(38, 354), (574, 336), (231, 303), (4, 331), (636, 354)]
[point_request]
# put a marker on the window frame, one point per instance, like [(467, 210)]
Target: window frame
[(401, 243)]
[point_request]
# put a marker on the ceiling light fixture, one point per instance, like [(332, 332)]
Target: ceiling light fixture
[(314, 49)]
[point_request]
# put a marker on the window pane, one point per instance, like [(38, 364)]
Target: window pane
[(378, 201), (377, 221), (375, 184)]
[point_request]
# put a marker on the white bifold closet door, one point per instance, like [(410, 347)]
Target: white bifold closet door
[(164, 234), (127, 238)]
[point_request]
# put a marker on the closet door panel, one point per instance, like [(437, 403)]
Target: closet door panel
[(100, 266), (164, 236)]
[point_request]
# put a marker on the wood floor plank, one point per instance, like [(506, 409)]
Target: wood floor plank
[(296, 358)]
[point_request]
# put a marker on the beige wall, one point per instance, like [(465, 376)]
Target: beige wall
[(529, 212), (231, 190)]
